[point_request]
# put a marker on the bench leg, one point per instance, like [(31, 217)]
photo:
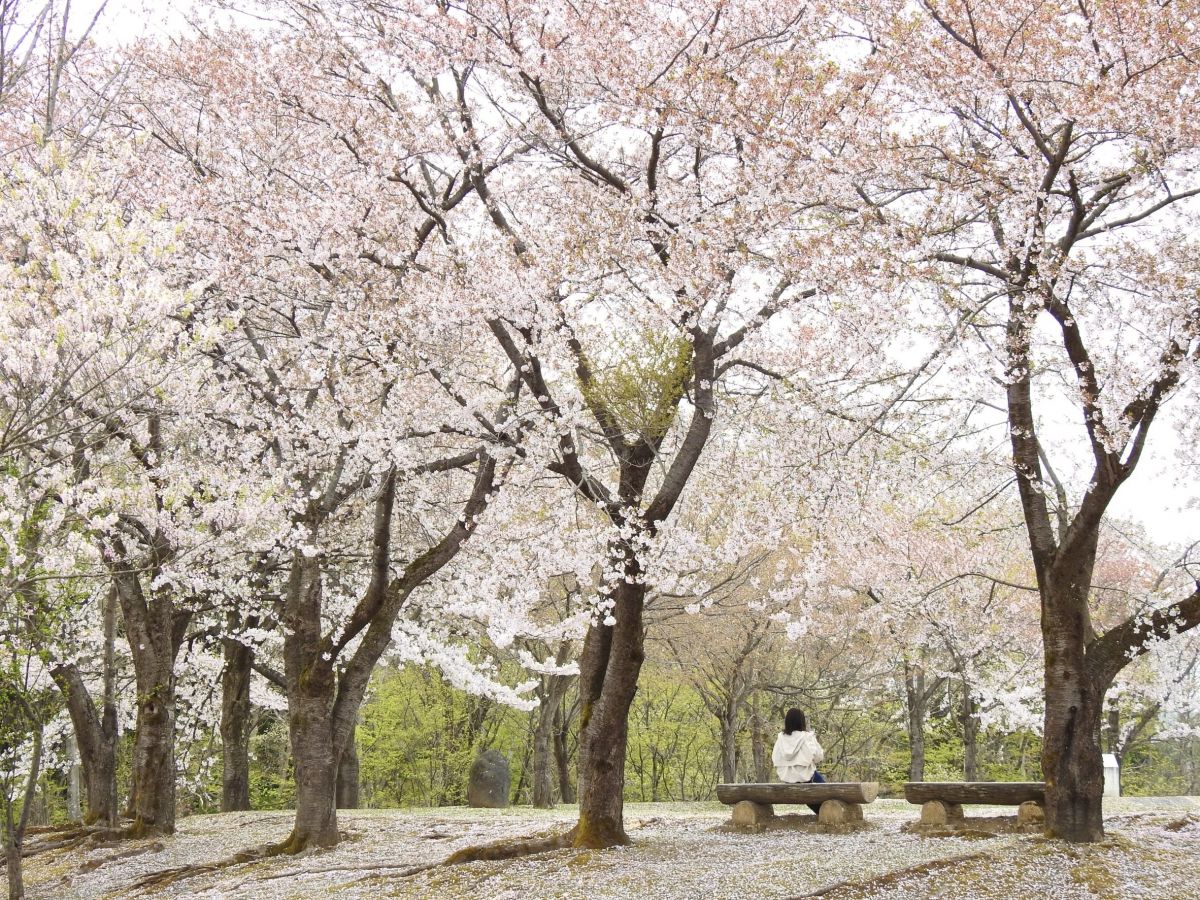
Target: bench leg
[(837, 812), (1031, 813), (939, 812), (747, 812)]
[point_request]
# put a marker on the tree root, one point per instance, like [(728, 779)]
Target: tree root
[(93, 864), (60, 837), (891, 878), (511, 848), (167, 877), (291, 846), (139, 828), (55, 829)]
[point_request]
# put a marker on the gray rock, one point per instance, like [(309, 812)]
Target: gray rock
[(490, 780)]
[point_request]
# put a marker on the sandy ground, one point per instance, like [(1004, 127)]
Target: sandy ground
[(678, 851)]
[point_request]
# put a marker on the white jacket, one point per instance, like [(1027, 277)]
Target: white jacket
[(796, 756)]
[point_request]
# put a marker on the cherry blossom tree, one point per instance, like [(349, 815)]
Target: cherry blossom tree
[(345, 385), (1042, 153), (640, 230)]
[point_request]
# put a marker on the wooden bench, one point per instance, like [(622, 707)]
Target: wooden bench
[(840, 803), (942, 802)]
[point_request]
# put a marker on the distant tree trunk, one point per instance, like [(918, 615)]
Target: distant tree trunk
[(970, 726), (914, 692), (347, 777), (728, 729), (562, 756), (555, 688), (1113, 729), (758, 742), (543, 737), (236, 726)]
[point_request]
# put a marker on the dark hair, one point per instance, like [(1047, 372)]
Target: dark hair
[(793, 721)]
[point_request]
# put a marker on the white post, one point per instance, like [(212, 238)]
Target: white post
[(74, 811), (1112, 776)]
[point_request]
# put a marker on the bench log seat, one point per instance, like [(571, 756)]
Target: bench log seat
[(840, 802), (942, 802)]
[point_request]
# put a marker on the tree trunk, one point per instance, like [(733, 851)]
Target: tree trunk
[(562, 756), (16, 880), (347, 775), (543, 738), (96, 732), (311, 692), (155, 631), (915, 696), (758, 742), (235, 726), (14, 826), (1071, 762), (612, 660), (728, 726), (96, 740), (1114, 728), (311, 732), (152, 800), (1072, 765), (554, 688), (970, 726)]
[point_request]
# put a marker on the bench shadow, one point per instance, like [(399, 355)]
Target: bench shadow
[(801, 822), (974, 827)]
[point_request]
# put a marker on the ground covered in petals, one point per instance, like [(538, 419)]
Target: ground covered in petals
[(678, 851)]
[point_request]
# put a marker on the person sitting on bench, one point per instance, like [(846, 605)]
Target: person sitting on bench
[(797, 753)]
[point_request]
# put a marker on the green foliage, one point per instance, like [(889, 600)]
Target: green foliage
[(673, 752), (1012, 756), (272, 785), (641, 389), (417, 737)]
